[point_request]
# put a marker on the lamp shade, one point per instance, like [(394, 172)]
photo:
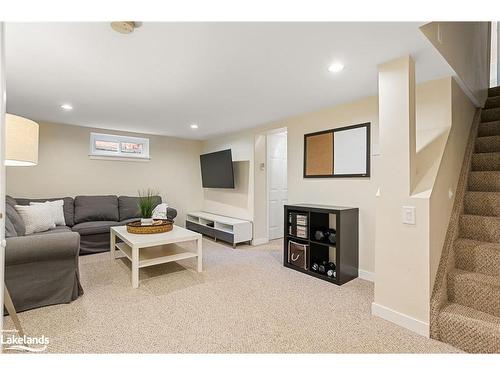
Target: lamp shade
[(21, 141)]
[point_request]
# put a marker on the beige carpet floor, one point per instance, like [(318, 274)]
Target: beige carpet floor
[(243, 301)]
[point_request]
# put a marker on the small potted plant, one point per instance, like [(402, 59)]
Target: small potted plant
[(146, 206)]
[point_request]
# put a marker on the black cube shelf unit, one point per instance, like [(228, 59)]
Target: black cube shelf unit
[(342, 250)]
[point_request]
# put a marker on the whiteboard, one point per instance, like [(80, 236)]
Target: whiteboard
[(350, 151)]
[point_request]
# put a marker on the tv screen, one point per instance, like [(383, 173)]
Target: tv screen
[(217, 170)]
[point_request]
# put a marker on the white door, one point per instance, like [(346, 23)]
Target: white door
[(2, 167), (277, 192)]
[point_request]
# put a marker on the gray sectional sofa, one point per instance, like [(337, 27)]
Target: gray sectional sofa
[(41, 269)]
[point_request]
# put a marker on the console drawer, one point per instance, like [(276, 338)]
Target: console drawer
[(224, 236), (203, 229)]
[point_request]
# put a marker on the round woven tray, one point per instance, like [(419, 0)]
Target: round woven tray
[(158, 226)]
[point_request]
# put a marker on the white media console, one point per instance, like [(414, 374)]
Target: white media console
[(220, 227)]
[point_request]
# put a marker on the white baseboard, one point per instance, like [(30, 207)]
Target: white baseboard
[(366, 275), (259, 241), (400, 319)]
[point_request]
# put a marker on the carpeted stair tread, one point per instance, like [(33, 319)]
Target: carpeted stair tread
[(481, 228), (494, 91), (487, 129), (487, 144), (484, 203), (468, 329), (475, 290), (484, 181), (477, 256), (488, 161), (492, 114)]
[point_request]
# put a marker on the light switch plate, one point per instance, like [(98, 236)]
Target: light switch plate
[(408, 213)]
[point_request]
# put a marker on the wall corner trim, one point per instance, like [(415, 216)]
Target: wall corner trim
[(259, 241), (366, 275), (401, 319)]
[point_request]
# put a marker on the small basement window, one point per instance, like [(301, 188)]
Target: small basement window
[(104, 146)]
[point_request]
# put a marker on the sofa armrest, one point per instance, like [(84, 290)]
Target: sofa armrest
[(28, 249), (171, 213)]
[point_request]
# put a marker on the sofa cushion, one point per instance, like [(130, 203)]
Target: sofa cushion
[(96, 208), (129, 206), (94, 227), (15, 219), (68, 206), (57, 229)]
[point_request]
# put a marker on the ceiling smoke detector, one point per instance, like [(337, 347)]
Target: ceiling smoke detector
[(125, 27)]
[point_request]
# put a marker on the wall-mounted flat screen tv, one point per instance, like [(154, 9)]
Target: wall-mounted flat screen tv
[(217, 170)]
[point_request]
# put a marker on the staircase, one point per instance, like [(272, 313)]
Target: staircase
[(469, 315)]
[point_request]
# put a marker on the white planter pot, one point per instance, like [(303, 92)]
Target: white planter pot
[(147, 221)]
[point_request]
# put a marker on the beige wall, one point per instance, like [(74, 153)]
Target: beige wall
[(441, 201), (64, 168), (401, 257), (466, 48), (433, 118), (237, 202), (407, 256)]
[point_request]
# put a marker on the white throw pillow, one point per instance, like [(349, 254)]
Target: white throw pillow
[(37, 218), (56, 207)]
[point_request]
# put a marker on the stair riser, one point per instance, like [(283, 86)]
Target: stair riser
[(494, 91), (474, 294), (484, 258), (486, 162), (484, 181), (482, 203), (481, 228), (488, 129), (487, 144), (492, 102), (492, 114)]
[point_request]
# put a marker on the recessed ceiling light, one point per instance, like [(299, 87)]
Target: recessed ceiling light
[(125, 27), (336, 67), (66, 107), (193, 126)]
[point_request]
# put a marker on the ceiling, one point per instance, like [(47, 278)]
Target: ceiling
[(222, 76)]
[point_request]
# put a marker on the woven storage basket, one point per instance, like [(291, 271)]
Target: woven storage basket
[(158, 226)]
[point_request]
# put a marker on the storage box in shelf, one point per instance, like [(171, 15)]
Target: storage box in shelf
[(298, 254)]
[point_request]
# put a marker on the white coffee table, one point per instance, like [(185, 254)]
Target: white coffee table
[(146, 250)]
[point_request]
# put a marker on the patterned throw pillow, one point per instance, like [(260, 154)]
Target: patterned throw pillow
[(37, 218), (56, 208)]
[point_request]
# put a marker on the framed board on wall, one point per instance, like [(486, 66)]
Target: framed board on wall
[(340, 152)]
